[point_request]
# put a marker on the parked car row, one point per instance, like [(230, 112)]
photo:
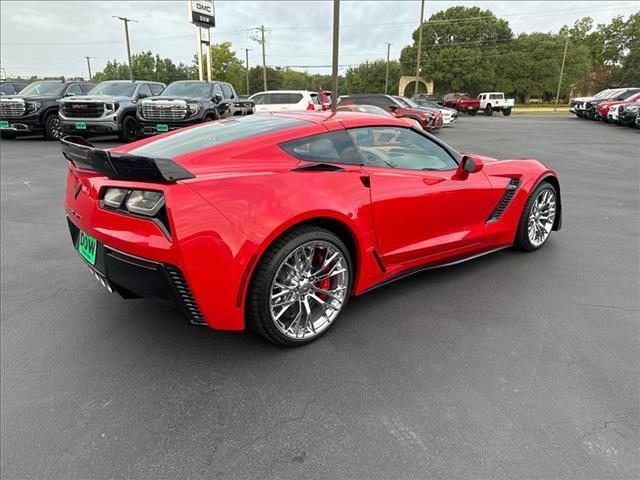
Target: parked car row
[(129, 109), (487, 102), (613, 105)]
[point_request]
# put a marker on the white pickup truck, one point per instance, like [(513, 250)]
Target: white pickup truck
[(495, 102)]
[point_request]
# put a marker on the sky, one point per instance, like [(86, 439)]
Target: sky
[(53, 37)]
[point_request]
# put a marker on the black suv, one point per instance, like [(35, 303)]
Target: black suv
[(35, 109), (9, 87), (110, 108), (189, 102)]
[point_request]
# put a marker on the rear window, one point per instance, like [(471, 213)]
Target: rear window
[(216, 133), (277, 98)]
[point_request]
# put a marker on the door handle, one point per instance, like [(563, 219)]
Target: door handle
[(432, 180)]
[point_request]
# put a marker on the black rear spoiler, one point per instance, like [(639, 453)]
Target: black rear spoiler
[(121, 166)]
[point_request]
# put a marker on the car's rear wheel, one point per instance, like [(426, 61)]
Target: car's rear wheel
[(488, 111), (472, 112), (52, 127), (129, 131), (300, 286), (7, 135), (538, 217)]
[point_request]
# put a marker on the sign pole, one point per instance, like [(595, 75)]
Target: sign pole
[(208, 45), (202, 14), (199, 41)]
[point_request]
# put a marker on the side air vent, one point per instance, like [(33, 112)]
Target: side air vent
[(509, 193), (184, 295)]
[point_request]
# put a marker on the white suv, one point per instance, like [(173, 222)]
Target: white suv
[(278, 100)]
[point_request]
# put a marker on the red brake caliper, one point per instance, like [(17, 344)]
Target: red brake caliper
[(325, 283)]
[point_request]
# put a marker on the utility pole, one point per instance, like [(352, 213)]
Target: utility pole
[(334, 57), (564, 57), (386, 77), (126, 33), (264, 59), (419, 53), (246, 54), (89, 66), (260, 40)]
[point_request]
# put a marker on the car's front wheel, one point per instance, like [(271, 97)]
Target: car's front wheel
[(538, 217), (300, 286), (506, 112), (488, 111), (52, 127), (129, 131)]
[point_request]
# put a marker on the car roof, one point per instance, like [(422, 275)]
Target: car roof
[(341, 117), (285, 91)]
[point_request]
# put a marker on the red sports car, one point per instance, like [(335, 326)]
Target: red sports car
[(273, 221)]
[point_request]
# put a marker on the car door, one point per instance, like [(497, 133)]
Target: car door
[(144, 91), (421, 208)]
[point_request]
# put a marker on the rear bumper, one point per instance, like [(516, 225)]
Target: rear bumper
[(136, 277)]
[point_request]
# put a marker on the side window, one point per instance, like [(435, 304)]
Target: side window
[(7, 89), (260, 99), (144, 91), (217, 90), (74, 89), (494, 96), (315, 99), (332, 147), (397, 147), (156, 88), (228, 93)]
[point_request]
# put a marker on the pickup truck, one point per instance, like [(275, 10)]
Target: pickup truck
[(188, 102), (35, 109), (495, 102), (110, 108), (462, 102)]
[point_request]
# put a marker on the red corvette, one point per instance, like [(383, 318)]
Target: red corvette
[(273, 221)]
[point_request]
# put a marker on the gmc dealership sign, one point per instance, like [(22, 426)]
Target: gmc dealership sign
[(201, 13)]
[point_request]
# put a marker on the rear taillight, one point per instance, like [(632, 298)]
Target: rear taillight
[(310, 106)]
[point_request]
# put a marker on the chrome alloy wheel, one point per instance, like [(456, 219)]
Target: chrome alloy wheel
[(56, 128), (309, 290), (541, 217)]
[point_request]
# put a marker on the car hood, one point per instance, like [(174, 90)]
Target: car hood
[(173, 98), (418, 111), (40, 98), (97, 98)]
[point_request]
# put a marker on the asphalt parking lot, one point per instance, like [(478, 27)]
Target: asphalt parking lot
[(509, 366)]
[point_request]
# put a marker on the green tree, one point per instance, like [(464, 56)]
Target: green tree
[(145, 66), (369, 77), (463, 49)]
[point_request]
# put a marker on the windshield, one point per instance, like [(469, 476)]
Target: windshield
[(188, 89), (116, 89), (409, 102), (44, 88), (603, 93)]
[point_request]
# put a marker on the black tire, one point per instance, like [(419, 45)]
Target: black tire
[(210, 117), (522, 241), (129, 131), (8, 135), (52, 127), (488, 111), (472, 112), (258, 315), (506, 112)]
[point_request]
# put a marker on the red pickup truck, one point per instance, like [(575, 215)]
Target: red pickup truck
[(462, 102)]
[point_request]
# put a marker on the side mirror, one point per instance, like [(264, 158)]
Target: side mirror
[(70, 94), (217, 98), (468, 164), (393, 108)]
